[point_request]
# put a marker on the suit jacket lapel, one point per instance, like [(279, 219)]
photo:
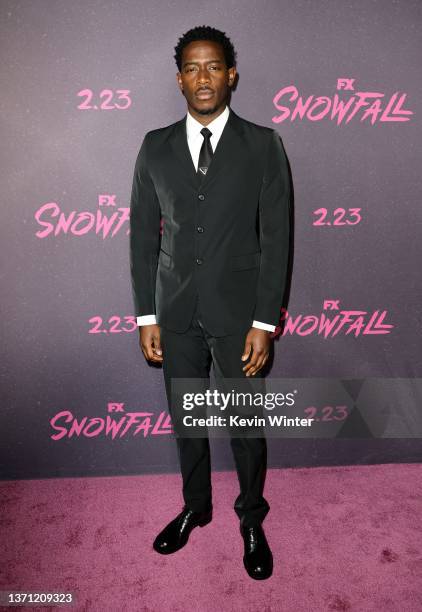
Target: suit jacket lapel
[(227, 146)]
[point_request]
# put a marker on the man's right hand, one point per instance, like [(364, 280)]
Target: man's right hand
[(150, 343)]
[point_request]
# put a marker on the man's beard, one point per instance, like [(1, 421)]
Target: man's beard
[(206, 111)]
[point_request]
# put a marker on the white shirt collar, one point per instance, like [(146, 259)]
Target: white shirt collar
[(193, 127)]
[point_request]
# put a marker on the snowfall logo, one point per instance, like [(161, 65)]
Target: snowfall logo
[(126, 424), (316, 108), (53, 221), (356, 322)]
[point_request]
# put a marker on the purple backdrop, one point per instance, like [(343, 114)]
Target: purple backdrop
[(82, 83)]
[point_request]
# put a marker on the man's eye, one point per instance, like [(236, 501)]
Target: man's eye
[(193, 68)]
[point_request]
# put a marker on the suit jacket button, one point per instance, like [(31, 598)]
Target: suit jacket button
[(201, 196), (200, 229), (199, 261)]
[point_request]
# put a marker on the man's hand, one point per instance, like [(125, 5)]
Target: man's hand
[(258, 342), (150, 343)]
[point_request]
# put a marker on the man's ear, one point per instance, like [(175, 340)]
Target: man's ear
[(179, 81), (232, 76)]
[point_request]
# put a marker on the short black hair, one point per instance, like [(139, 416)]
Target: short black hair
[(206, 33)]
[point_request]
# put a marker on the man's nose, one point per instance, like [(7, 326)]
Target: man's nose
[(203, 75)]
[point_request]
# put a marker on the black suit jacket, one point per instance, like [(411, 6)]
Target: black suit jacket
[(225, 236)]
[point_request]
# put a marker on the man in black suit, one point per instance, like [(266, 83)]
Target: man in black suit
[(209, 289)]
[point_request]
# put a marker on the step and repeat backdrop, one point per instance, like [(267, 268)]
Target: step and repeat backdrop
[(83, 81)]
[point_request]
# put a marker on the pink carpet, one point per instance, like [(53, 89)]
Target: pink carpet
[(343, 538)]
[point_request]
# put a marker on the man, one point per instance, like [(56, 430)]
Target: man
[(210, 288)]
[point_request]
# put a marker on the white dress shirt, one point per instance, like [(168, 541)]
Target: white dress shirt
[(195, 140)]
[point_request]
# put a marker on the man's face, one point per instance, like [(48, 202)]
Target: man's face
[(205, 80)]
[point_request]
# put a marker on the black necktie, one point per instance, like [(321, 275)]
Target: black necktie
[(206, 152)]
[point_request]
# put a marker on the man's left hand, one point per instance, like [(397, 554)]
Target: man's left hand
[(258, 343)]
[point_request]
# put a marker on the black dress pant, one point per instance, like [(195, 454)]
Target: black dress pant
[(190, 355)]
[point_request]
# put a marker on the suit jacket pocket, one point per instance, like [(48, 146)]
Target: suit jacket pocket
[(164, 259), (245, 262)]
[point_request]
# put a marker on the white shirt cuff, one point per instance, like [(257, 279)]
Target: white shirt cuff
[(265, 326), (146, 320)]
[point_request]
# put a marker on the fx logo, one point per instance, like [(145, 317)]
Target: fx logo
[(106, 200), (114, 407), (346, 84), (331, 305)]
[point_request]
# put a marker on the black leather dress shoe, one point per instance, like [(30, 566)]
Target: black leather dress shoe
[(258, 558), (176, 534)]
